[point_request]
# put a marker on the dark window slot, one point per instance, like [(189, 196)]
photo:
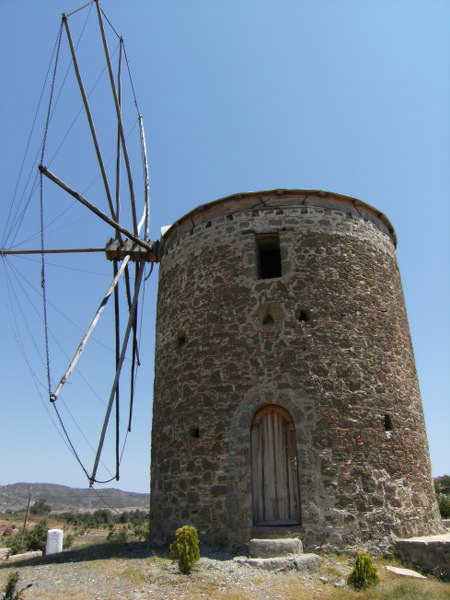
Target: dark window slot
[(269, 255), (387, 423)]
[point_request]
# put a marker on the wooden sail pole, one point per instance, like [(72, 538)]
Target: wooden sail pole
[(119, 117), (144, 244), (115, 264), (146, 180), (89, 117), (51, 251), (87, 335), (118, 370)]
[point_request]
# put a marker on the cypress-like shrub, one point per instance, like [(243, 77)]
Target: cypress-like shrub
[(444, 505), (185, 548), (364, 573)]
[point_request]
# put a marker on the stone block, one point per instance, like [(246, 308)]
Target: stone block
[(301, 563), (25, 556), (266, 548)]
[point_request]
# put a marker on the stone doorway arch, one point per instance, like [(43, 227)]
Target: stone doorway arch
[(276, 498)]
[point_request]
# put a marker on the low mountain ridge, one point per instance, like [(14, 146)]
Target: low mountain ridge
[(14, 497)]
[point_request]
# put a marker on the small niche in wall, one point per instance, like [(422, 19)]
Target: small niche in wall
[(302, 315), (388, 423), (268, 320), (268, 255), (181, 340), (194, 432)]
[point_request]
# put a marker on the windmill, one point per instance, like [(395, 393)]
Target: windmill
[(129, 249)]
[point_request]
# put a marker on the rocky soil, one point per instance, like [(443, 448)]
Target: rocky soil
[(133, 572)]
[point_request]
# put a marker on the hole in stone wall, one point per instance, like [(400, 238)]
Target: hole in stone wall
[(230, 217), (181, 340), (303, 315), (268, 320), (269, 255), (387, 423), (194, 432), (208, 224)]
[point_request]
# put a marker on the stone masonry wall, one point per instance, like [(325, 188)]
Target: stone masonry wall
[(336, 354)]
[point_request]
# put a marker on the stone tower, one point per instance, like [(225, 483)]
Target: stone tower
[(286, 399)]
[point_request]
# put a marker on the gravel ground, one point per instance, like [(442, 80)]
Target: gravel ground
[(132, 573)]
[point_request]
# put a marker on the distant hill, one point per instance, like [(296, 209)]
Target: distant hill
[(60, 497)]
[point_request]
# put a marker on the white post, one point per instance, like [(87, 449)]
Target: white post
[(54, 541)]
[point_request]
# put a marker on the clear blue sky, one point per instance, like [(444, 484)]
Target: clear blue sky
[(237, 95)]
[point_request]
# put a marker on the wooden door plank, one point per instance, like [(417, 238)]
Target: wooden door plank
[(258, 512), (294, 505), (269, 468), (281, 464)]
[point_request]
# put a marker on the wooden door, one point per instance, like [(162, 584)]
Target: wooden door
[(274, 468)]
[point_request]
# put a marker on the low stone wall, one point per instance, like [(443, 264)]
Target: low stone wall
[(430, 554), (25, 556)]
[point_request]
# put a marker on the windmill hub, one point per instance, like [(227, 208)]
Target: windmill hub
[(118, 249)]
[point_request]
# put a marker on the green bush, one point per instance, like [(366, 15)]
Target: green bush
[(10, 592), (29, 540), (68, 541), (444, 505), (117, 537), (364, 573), (17, 544), (40, 507), (185, 548), (142, 531)]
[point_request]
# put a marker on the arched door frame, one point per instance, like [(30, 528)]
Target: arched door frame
[(275, 487)]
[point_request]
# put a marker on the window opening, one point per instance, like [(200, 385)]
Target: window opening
[(194, 432), (303, 315), (269, 255), (181, 340), (387, 423)]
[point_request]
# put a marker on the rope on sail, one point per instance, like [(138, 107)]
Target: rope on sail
[(41, 210)]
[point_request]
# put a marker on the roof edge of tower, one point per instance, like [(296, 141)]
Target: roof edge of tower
[(208, 210)]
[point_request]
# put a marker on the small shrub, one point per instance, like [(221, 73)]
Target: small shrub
[(68, 541), (40, 507), (185, 548), (10, 592), (142, 531), (28, 540), (117, 537), (17, 544), (37, 536), (444, 505), (364, 573)]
